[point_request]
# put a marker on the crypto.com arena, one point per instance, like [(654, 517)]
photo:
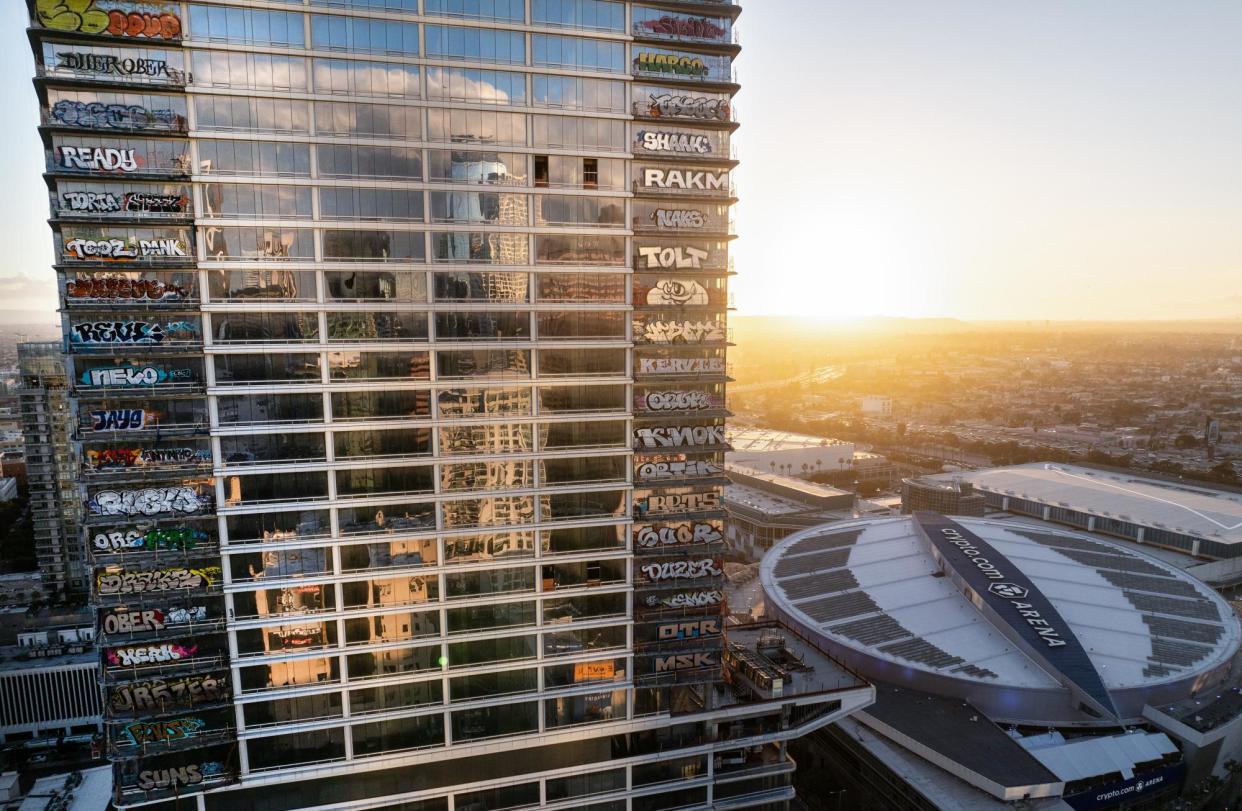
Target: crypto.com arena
[(1031, 625)]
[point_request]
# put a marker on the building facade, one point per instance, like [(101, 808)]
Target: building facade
[(52, 470), (397, 330)]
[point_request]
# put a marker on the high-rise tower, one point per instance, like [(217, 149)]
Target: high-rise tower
[(397, 329)]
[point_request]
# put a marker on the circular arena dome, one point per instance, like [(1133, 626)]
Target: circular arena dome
[(1032, 625)]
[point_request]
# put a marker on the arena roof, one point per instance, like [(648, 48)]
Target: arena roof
[(1181, 507), (875, 594)]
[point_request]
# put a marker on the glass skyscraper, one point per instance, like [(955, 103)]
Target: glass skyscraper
[(397, 333)]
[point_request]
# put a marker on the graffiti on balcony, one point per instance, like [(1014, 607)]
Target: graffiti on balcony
[(149, 501), (115, 19)]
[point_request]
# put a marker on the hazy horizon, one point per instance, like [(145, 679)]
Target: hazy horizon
[(962, 159)]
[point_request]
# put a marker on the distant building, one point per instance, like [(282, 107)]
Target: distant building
[(51, 468), (8, 489), (765, 507), (832, 461), (1194, 518), (951, 497), (1011, 662), (49, 675), (877, 405)]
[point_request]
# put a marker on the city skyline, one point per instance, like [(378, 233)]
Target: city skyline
[(1095, 183)]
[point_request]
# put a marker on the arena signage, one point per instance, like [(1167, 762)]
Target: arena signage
[(1020, 610)]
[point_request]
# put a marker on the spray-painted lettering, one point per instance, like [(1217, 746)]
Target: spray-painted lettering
[(691, 629), (151, 501), (86, 17), (677, 469), (672, 436), (673, 64), (666, 141), (73, 113), (678, 218), (667, 366), (88, 62), (676, 401), (685, 599), (134, 376), (98, 158), (90, 202), (171, 778), (681, 569), (166, 694), (123, 289), (679, 332), (110, 248), (151, 203), (684, 661), (118, 419), (681, 502), (149, 654), (175, 579), (683, 534), (685, 179), (666, 105), (177, 729), (684, 258), (178, 538), (692, 27)]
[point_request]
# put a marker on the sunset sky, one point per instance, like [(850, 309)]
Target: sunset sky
[(981, 159)]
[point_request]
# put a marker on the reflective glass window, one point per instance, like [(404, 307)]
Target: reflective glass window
[(492, 511), (487, 685), (583, 470), (505, 10), (252, 70), (579, 249), (262, 487), (373, 246), (348, 161), (483, 363), (391, 627), (475, 44), (354, 119), (372, 444), (492, 401), (275, 447), (262, 284), (395, 697), (398, 735), (391, 365), (486, 651), (581, 325), (246, 26), (476, 166), (389, 591), (389, 555), (253, 158), (481, 247), (222, 243), (580, 53), (375, 285), (278, 675), (368, 481), (567, 643), (474, 84), (583, 539), (482, 326), (490, 546), (292, 710), (233, 113), (349, 77), (596, 15), (576, 93), (250, 327), (378, 664), (308, 746), (584, 362), (601, 288), (477, 127), (584, 607), (303, 635), (584, 134), (291, 367), (277, 526), (469, 439), (377, 326), (572, 506), (491, 722), (482, 286), (387, 519), (344, 203), (570, 399), (356, 406), (593, 708), (260, 202), (492, 208), (560, 209), (363, 35), (487, 475)]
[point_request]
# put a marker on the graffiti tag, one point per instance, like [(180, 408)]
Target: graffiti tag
[(155, 203), (170, 778), (685, 179), (109, 458), (177, 729), (73, 113), (151, 501), (119, 287), (684, 661), (672, 64), (684, 142), (149, 654), (685, 599), (682, 502), (680, 332), (703, 107), (180, 539), (174, 579), (692, 629), (695, 27), (681, 569), (120, 250), (685, 534), (88, 18), (92, 202), (678, 218), (678, 257), (133, 376), (676, 401), (665, 366), (672, 436), (87, 62), (98, 158), (118, 419), (166, 693)]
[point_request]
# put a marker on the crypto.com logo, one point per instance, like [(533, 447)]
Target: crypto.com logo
[(1008, 591)]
